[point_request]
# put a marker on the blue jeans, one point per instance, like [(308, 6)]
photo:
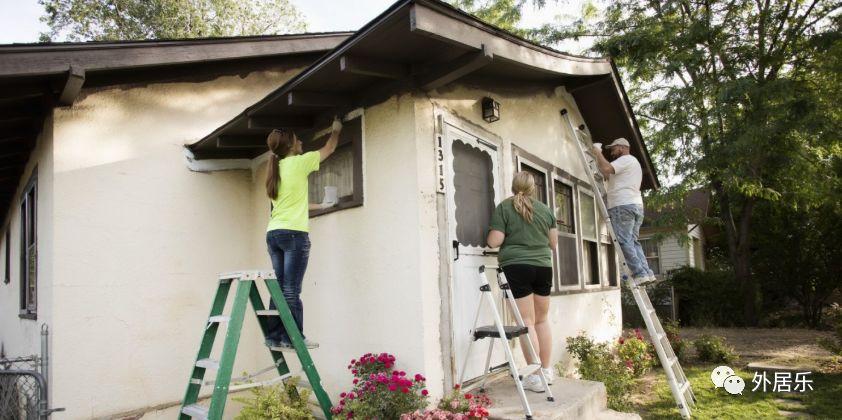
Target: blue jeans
[(290, 252), (626, 220)]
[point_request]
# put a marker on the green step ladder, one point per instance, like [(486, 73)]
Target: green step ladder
[(247, 291)]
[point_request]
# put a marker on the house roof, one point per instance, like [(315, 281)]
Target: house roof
[(35, 78), (426, 44)]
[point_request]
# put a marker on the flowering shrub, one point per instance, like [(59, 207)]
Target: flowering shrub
[(274, 402), (455, 406), (598, 363), (679, 346), (380, 392), (635, 354)]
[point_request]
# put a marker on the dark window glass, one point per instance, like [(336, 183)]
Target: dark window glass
[(540, 182), (473, 182)]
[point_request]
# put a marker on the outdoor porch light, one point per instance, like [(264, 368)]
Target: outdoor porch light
[(490, 110)]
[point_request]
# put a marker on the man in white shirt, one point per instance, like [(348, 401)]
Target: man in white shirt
[(625, 205)]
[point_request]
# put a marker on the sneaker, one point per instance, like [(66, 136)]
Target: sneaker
[(548, 373), (533, 383), (643, 280), (278, 343)]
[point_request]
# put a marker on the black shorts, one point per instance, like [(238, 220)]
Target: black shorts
[(528, 279)]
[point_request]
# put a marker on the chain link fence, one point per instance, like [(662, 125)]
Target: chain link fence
[(22, 389)]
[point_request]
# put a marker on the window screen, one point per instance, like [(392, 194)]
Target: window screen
[(588, 216), (473, 184), (590, 262), (337, 171), (564, 207), (567, 265)]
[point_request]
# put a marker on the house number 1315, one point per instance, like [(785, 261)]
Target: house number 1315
[(439, 165)]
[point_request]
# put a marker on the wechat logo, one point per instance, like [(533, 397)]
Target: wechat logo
[(724, 377)]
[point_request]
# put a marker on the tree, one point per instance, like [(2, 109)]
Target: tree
[(504, 14), (742, 97), (106, 20)]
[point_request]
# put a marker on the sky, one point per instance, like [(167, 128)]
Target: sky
[(19, 19)]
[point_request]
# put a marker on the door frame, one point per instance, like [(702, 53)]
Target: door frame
[(443, 117)]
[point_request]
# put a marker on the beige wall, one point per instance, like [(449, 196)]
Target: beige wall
[(22, 337), (370, 285), (140, 239), (530, 119)]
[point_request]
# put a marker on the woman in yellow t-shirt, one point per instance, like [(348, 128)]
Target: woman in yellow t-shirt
[(287, 235)]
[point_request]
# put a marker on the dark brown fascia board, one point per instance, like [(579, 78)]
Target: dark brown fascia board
[(40, 61), (317, 100), (444, 22)]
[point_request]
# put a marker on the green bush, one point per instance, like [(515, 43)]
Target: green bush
[(276, 403), (598, 363), (834, 319), (707, 298), (711, 348), (636, 353)]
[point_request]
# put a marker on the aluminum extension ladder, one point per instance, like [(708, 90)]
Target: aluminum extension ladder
[(680, 386), (246, 292), (499, 330)]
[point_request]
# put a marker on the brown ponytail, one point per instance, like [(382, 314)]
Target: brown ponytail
[(280, 143), (523, 187)]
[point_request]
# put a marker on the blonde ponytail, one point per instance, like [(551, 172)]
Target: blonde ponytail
[(523, 187)]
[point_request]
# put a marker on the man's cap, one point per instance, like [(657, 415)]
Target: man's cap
[(619, 142)]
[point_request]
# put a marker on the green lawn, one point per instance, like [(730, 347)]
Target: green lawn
[(824, 401)]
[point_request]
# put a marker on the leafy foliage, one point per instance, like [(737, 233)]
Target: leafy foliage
[(712, 348), (598, 363), (636, 353), (455, 406), (707, 298), (100, 20), (274, 402)]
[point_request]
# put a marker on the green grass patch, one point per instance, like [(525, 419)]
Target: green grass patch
[(824, 401)]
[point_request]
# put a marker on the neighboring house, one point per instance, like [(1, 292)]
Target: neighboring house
[(668, 249), (133, 173)]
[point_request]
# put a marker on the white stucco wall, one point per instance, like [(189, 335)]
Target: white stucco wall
[(140, 239), (371, 281), (18, 336), (530, 119)]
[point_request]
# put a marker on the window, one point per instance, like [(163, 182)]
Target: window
[(540, 181), (342, 170), (8, 251), (590, 253), (28, 249), (568, 266), (653, 256)]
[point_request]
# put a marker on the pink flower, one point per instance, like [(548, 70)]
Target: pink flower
[(457, 386), (468, 396), (404, 390), (342, 395), (356, 380), (424, 392), (392, 387)]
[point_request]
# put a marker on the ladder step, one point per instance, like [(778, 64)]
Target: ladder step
[(219, 319), (512, 331), (528, 370), (208, 364), (196, 411), (196, 381), (267, 312)]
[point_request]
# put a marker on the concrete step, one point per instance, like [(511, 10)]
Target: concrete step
[(574, 399)]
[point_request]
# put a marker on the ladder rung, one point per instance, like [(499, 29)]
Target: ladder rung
[(219, 319), (511, 331), (684, 387), (267, 312), (528, 370), (195, 381), (195, 411), (208, 364)]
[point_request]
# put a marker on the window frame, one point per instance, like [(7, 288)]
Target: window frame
[(29, 214), (7, 268), (521, 161), (576, 235), (358, 151), (519, 155), (658, 250), (587, 190)]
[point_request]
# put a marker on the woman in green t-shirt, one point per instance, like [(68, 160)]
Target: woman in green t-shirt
[(287, 236), (525, 230)]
